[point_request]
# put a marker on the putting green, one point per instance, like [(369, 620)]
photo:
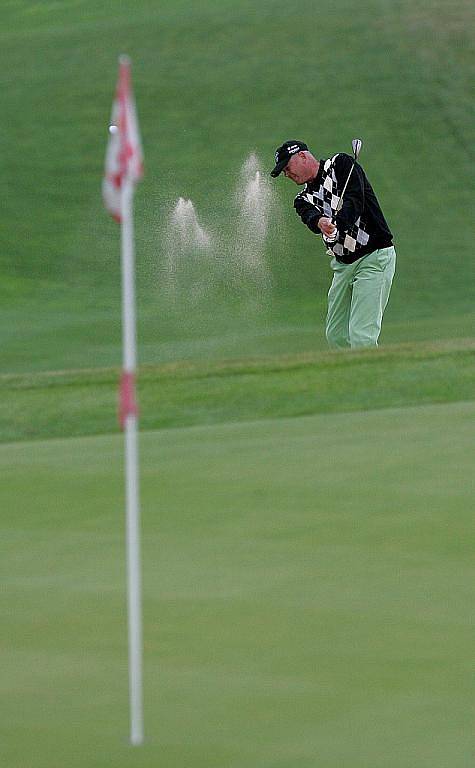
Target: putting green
[(307, 591)]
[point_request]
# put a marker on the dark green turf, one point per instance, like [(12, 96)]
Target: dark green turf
[(84, 402), (215, 81)]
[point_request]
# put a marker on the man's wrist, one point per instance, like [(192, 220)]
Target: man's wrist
[(331, 238)]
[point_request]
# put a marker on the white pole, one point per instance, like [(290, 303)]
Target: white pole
[(134, 600)]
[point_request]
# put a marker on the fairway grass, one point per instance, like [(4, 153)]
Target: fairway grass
[(308, 584)]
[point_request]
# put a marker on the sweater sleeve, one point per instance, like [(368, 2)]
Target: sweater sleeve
[(353, 200), (308, 213)]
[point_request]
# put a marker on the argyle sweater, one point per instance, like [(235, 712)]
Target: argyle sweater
[(361, 225)]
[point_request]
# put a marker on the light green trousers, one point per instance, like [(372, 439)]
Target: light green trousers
[(357, 299)]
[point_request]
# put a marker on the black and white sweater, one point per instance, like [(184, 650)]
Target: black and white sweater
[(361, 225)]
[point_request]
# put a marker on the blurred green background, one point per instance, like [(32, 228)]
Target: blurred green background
[(215, 81), (308, 537)]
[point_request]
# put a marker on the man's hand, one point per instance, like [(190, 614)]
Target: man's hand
[(328, 230), (326, 226)]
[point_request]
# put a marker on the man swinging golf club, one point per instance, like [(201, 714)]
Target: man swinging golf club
[(338, 202)]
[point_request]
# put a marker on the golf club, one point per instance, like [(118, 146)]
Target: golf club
[(356, 145)]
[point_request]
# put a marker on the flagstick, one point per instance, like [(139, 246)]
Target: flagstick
[(131, 471)]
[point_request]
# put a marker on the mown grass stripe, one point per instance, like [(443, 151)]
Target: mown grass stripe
[(73, 403)]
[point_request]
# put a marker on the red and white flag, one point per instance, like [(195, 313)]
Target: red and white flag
[(124, 158)]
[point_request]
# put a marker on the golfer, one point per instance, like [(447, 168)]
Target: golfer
[(357, 238)]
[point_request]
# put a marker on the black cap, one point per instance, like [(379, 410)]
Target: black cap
[(284, 153)]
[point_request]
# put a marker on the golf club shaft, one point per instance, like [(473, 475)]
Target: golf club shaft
[(356, 145), (340, 201)]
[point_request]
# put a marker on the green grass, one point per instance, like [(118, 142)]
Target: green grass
[(215, 81), (307, 585), (308, 542), (67, 403)]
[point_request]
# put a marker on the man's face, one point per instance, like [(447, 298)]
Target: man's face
[(300, 168)]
